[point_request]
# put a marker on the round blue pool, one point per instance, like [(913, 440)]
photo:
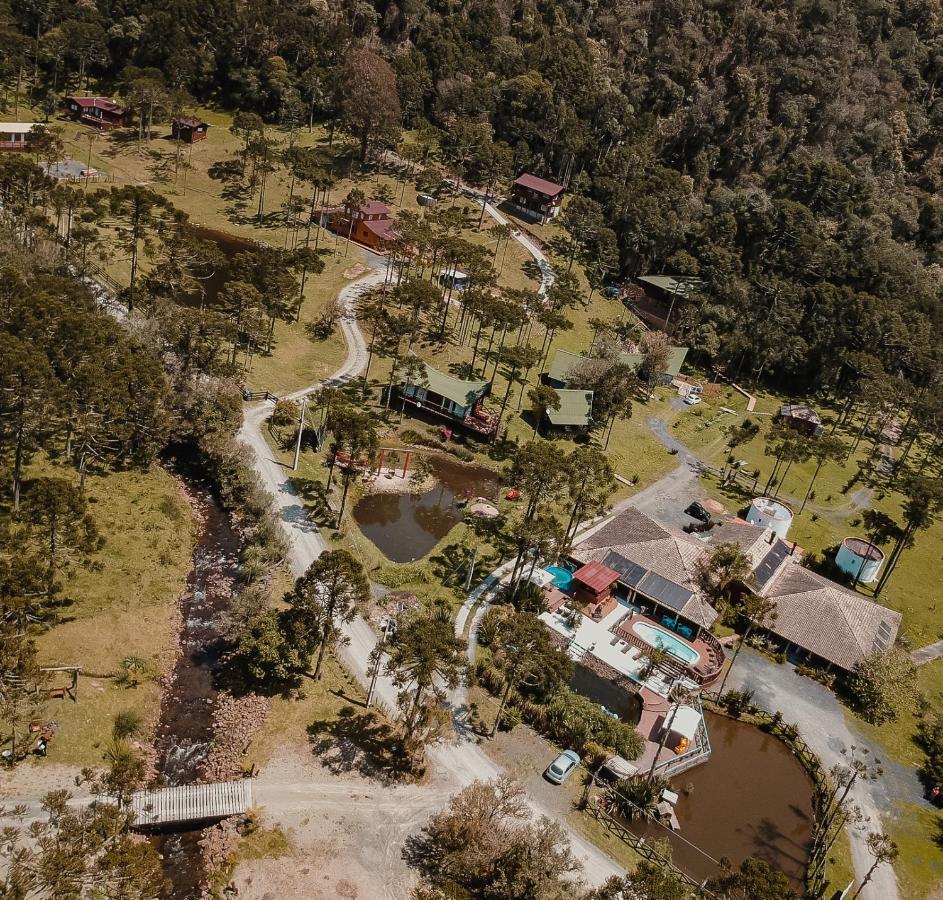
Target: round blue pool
[(562, 578)]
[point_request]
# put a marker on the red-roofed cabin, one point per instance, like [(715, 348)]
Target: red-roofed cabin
[(189, 129), (369, 225), (592, 587), (536, 198), (99, 112)]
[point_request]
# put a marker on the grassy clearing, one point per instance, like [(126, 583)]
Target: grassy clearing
[(299, 359), (834, 510), (290, 717), (918, 832), (122, 606)]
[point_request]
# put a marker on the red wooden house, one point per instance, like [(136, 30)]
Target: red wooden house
[(536, 198), (189, 129), (370, 224), (99, 112)]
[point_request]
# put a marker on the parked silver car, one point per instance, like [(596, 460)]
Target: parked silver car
[(562, 767)]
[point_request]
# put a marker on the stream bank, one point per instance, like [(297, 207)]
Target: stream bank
[(184, 733)]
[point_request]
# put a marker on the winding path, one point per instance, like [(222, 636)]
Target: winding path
[(460, 761)]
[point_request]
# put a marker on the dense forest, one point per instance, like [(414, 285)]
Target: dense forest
[(786, 153)]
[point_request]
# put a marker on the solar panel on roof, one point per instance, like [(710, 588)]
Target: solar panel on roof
[(771, 562), (630, 573), (883, 637), (665, 592)]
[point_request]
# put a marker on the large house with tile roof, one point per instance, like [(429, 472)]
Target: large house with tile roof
[(657, 569)]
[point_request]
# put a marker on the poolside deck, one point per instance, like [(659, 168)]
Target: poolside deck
[(710, 658), (598, 639)]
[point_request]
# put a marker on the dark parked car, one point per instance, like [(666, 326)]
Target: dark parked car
[(698, 511)]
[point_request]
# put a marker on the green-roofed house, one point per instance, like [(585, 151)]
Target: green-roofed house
[(575, 412), (663, 294), (456, 399), (564, 362)]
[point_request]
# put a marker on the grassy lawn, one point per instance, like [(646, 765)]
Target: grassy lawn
[(290, 717), (834, 510), (300, 359), (121, 606)]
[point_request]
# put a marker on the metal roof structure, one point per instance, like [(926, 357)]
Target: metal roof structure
[(190, 803), (684, 286), (576, 408), (564, 362), (541, 185), (596, 576), (458, 390)]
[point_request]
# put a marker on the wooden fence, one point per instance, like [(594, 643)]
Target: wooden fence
[(641, 846)]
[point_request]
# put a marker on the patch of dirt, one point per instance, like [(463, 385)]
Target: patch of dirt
[(346, 831), (355, 271), (32, 780), (391, 481)]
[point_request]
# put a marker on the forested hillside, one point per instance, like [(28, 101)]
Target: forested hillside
[(788, 153)]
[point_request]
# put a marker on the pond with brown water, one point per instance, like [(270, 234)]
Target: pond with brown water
[(406, 526), (752, 798)]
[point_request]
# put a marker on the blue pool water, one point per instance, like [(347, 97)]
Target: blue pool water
[(562, 578), (656, 636)]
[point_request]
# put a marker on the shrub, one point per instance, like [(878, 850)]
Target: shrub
[(510, 719), (737, 702), (127, 724), (286, 413), (883, 685), (397, 576)]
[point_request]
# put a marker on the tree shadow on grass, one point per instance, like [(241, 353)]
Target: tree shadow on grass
[(361, 742)]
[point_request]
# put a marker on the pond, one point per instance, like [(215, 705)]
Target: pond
[(752, 798), (626, 704), (229, 245), (405, 526)]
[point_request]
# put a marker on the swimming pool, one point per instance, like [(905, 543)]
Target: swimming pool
[(562, 578), (656, 636)]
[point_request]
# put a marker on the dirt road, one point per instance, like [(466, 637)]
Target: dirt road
[(454, 764)]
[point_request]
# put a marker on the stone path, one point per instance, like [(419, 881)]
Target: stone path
[(927, 654)]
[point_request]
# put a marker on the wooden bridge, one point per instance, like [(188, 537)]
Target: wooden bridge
[(190, 804)]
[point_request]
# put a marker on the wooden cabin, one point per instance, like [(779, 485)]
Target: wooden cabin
[(99, 112), (189, 129)]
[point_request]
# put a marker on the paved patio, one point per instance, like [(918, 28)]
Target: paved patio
[(597, 639)]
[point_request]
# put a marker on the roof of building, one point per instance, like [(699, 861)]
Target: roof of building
[(576, 408), (17, 127), (596, 576), (685, 721), (105, 103), (648, 557), (464, 393), (541, 185), (683, 286), (801, 412), (564, 362), (385, 229), (836, 624), (190, 122), (755, 541)]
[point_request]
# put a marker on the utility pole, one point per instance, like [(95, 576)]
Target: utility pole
[(377, 653), (301, 428), (471, 570)]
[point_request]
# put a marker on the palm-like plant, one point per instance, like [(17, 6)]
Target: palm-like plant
[(636, 798)]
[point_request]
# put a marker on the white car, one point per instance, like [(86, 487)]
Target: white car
[(562, 767), (692, 399)]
